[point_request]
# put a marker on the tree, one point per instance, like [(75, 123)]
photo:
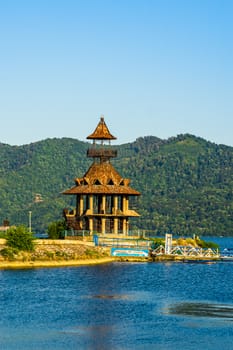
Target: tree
[(56, 229), (20, 238)]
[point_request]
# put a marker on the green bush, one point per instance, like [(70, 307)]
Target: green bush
[(20, 238), (56, 229), (3, 234), (156, 242), (204, 244), (9, 253)]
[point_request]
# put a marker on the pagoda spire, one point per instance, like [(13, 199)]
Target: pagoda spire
[(101, 132)]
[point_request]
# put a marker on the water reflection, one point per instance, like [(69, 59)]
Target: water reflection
[(201, 310), (116, 297)]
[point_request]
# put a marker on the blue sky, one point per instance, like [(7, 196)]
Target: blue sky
[(151, 67)]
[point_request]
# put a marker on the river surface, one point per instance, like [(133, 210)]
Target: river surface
[(118, 306)]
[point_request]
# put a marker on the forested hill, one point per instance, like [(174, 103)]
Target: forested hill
[(186, 183)]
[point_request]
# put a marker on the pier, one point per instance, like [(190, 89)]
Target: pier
[(178, 252), (186, 252)]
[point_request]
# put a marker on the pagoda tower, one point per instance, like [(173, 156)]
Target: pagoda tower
[(102, 195)]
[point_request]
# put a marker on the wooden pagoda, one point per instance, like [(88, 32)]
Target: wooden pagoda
[(102, 195)]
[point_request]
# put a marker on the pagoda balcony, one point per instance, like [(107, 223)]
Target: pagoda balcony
[(101, 153)]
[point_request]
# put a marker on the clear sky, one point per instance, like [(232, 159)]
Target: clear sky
[(151, 67)]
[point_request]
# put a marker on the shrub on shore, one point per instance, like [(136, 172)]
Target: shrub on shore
[(56, 229), (156, 242), (20, 238), (9, 253), (204, 244)]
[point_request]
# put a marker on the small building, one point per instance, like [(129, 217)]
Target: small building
[(102, 194), (5, 225)]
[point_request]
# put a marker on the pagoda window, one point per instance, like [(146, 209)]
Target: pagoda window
[(84, 182), (120, 203), (97, 204), (109, 204), (97, 225), (85, 203), (96, 182), (85, 224), (110, 182), (109, 226), (124, 182), (120, 226)]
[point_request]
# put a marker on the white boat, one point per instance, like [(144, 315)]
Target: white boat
[(227, 254)]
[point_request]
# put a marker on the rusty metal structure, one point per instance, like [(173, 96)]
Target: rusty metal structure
[(102, 195)]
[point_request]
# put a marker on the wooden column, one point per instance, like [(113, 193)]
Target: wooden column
[(91, 225), (81, 205), (116, 226), (124, 204), (115, 229), (103, 225), (77, 204), (103, 203), (124, 227), (115, 205), (91, 203)]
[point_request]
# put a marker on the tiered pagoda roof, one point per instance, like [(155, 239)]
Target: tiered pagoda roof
[(102, 178)]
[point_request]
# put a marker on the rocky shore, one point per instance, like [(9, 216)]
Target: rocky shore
[(55, 253)]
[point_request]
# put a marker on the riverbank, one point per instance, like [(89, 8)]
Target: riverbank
[(17, 264), (61, 253), (54, 253), (53, 263)]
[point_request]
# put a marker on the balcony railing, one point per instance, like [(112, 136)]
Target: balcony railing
[(101, 153)]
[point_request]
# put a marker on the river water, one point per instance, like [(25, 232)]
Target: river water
[(118, 306)]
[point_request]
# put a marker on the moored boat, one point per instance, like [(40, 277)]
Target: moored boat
[(226, 258), (227, 254)]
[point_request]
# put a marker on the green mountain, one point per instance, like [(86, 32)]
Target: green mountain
[(186, 183)]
